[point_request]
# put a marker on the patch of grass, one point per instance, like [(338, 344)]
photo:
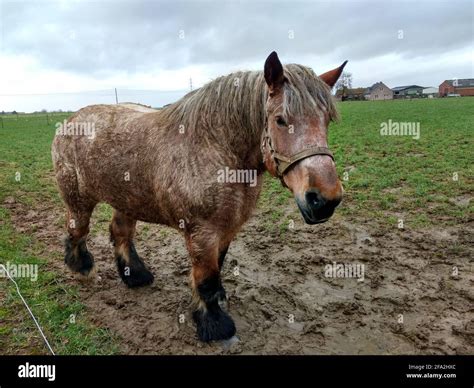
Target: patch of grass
[(273, 200), (165, 232), (57, 306), (25, 159), (421, 169), (25, 149), (102, 217)]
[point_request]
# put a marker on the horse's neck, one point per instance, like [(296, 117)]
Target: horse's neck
[(245, 144), (250, 155), (234, 129)]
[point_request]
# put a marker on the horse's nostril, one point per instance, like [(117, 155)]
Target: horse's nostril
[(314, 207), (314, 200)]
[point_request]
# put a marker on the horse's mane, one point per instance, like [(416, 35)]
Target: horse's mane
[(236, 102)]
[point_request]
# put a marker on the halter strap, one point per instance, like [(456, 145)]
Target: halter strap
[(285, 162)]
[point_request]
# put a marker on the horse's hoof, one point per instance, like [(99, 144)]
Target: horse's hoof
[(89, 278), (136, 277), (83, 262), (214, 326)]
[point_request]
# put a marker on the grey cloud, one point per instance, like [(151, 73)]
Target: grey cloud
[(135, 36)]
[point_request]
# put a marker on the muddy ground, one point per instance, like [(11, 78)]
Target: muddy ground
[(410, 301)]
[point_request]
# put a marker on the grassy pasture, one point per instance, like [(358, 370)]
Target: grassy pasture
[(385, 178)]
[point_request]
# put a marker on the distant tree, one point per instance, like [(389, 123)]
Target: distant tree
[(344, 83), (44, 111)]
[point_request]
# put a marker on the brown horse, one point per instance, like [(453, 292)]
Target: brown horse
[(166, 166)]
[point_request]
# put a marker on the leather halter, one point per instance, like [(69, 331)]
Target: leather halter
[(283, 162)]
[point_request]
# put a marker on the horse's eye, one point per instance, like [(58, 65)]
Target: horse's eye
[(280, 121)]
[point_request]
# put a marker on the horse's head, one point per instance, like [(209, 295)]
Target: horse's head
[(299, 108)]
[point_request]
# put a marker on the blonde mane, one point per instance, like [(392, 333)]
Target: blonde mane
[(237, 101)]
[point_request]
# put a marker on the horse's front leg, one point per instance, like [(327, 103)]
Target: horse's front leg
[(212, 322)]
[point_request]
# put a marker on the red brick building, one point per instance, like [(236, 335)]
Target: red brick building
[(350, 94), (463, 87)]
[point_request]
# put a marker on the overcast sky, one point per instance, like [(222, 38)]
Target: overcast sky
[(75, 46)]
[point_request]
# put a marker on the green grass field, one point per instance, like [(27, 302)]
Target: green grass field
[(25, 174), (385, 178)]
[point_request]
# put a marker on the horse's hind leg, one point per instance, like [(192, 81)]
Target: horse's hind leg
[(212, 322), (131, 268), (77, 257)]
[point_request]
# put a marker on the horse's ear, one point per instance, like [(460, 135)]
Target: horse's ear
[(273, 71), (333, 75)]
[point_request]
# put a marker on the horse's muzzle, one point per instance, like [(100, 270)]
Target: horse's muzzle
[(315, 208)]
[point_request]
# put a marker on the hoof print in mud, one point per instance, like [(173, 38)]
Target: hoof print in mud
[(78, 258), (213, 326), (135, 275)]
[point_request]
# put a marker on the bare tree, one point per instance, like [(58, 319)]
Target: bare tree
[(344, 83)]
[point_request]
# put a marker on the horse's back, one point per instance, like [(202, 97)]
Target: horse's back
[(111, 116), (95, 162), (138, 107)]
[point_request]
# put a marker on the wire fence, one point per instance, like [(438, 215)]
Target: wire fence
[(13, 105), (101, 93), (37, 119), (29, 310)]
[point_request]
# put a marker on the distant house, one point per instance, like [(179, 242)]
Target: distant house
[(463, 87), (430, 92), (408, 91), (350, 94), (378, 91)]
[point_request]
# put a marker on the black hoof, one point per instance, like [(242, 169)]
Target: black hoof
[(134, 274), (138, 278), (215, 325), (78, 258)]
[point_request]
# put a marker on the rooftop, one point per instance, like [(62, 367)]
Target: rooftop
[(400, 88), (375, 85), (461, 83)]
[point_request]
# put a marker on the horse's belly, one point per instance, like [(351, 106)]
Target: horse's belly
[(136, 198), (141, 211)]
